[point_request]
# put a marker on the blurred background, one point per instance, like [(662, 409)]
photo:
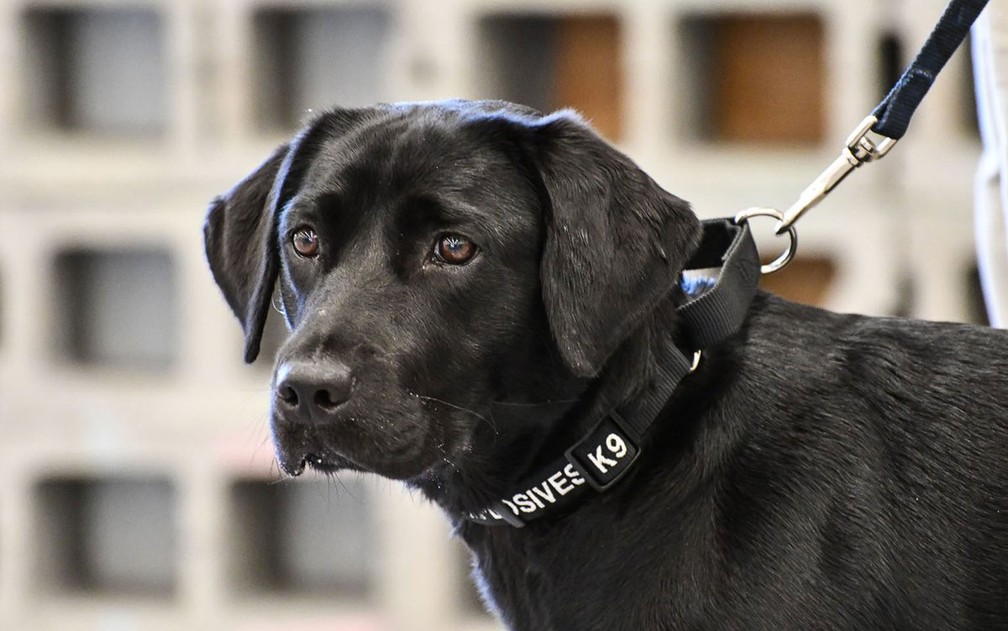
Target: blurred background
[(137, 486)]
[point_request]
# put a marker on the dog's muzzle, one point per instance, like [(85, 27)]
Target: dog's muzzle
[(308, 396)]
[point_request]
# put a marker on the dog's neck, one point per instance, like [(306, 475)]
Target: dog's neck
[(533, 435), (505, 455)]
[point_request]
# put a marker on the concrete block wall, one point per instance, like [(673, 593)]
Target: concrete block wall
[(138, 485)]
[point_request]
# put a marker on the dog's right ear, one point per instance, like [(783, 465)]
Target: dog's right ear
[(240, 236)]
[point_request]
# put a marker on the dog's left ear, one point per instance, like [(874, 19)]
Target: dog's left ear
[(615, 245)]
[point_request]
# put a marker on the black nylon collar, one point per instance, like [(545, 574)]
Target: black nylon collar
[(603, 456)]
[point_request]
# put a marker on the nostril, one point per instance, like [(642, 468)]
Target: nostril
[(287, 394), (335, 391), (325, 400)]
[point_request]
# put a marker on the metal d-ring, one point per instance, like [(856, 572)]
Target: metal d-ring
[(697, 356), (781, 261)]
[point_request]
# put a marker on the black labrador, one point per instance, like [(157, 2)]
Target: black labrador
[(469, 282)]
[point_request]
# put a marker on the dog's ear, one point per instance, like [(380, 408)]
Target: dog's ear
[(615, 242), (240, 240)]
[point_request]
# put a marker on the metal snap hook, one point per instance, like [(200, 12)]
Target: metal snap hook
[(781, 261)]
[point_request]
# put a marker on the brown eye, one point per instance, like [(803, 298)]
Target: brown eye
[(305, 242), (454, 249)]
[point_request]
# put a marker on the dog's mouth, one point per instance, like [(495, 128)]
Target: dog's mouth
[(299, 450), (358, 446), (296, 465)]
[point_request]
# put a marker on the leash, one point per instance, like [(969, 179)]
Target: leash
[(606, 453), (876, 135)]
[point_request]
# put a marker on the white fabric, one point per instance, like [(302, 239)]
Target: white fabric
[(990, 60)]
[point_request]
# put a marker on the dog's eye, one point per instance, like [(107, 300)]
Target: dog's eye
[(305, 242), (454, 249)]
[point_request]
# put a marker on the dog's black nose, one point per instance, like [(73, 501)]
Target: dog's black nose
[(313, 389)]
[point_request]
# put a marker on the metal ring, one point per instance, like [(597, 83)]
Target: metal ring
[(696, 361), (781, 261)]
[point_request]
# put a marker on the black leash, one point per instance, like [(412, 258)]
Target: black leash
[(895, 111), (888, 123), (607, 452)]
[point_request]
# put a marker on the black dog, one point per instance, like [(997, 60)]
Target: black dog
[(469, 284)]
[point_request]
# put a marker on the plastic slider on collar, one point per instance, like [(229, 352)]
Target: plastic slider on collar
[(605, 455)]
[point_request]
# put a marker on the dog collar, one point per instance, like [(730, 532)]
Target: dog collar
[(603, 456)]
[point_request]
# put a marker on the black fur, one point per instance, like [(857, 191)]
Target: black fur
[(818, 471)]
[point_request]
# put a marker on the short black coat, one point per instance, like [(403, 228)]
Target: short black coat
[(818, 471)]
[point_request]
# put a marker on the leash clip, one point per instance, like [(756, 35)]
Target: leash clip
[(863, 146)]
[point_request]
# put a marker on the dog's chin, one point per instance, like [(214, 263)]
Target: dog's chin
[(328, 451), (328, 465)]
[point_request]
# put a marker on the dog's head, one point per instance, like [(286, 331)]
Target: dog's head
[(434, 259)]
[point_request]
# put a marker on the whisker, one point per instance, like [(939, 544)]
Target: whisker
[(540, 404), (486, 420)]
